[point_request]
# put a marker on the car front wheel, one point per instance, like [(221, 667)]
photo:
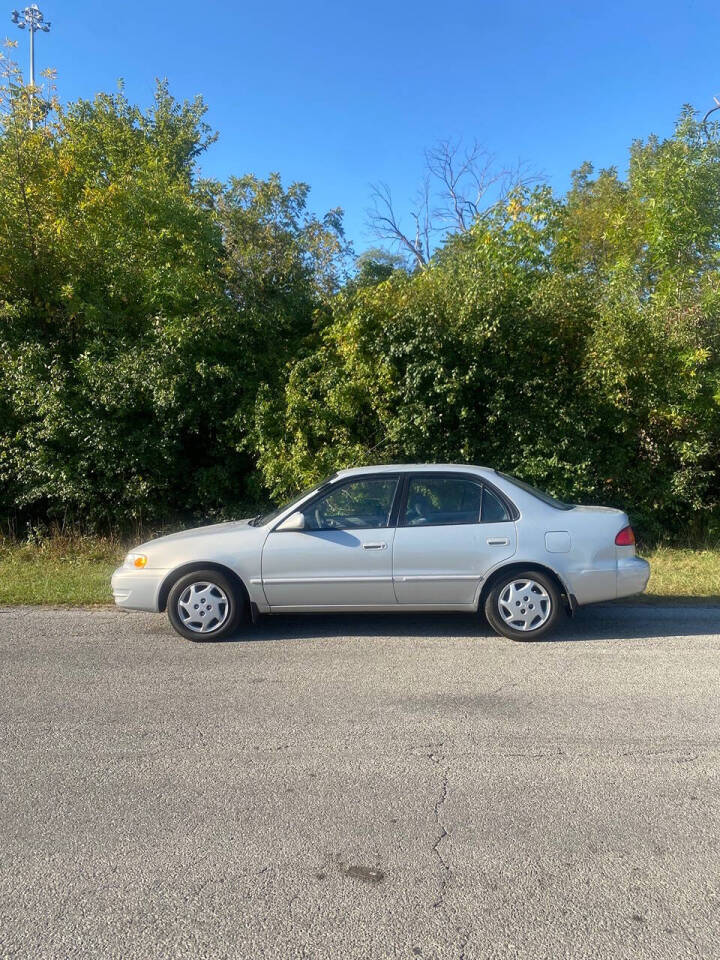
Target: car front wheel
[(204, 605), (523, 605)]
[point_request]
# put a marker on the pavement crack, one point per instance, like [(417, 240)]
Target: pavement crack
[(463, 946), (442, 832), (506, 683)]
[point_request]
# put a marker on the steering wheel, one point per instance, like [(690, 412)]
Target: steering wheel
[(325, 523)]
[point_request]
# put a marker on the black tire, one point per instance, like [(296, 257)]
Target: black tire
[(215, 597), (498, 601)]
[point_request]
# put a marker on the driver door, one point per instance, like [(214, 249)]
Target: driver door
[(343, 556)]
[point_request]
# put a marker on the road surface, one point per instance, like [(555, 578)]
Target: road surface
[(361, 787)]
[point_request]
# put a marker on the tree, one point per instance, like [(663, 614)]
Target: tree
[(573, 341), (141, 310), (460, 185), (173, 348), (375, 266), (446, 365)]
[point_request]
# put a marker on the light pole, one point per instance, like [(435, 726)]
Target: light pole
[(33, 18)]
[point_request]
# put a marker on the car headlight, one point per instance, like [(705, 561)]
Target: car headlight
[(138, 560)]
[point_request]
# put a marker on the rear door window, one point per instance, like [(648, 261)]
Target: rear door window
[(440, 501)]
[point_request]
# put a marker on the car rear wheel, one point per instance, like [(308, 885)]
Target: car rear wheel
[(204, 605), (523, 605)]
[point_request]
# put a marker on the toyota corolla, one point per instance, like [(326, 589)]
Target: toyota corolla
[(392, 538)]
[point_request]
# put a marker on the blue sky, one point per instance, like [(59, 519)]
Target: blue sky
[(340, 95)]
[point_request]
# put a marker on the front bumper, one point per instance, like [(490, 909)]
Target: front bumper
[(137, 589), (633, 574)]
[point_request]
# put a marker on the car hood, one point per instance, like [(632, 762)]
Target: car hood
[(229, 526)]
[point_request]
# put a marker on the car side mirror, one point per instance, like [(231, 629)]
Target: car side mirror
[(296, 521)]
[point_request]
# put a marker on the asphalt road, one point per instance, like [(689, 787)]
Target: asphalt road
[(360, 787)]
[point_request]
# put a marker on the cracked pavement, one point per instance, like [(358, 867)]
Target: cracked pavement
[(442, 834), (360, 787)]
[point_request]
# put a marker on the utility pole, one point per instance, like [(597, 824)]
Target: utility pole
[(33, 19)]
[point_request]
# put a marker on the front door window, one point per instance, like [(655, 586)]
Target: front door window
[(360, 505)]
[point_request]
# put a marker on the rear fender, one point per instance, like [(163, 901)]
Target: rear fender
[(567, 597)]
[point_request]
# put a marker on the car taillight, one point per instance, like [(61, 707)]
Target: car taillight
[(626, 537)]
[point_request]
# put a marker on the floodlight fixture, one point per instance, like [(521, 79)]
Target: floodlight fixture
[(33, 18)]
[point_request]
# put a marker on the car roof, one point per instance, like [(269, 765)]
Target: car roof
[(414, 467)]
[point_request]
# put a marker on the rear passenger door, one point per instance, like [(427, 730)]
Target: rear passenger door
[(452, 528)]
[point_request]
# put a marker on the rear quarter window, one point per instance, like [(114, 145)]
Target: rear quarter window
[(493, 509)]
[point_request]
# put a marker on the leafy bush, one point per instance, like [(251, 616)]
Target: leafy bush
[(573, 342), (140, 309), (174, 348)]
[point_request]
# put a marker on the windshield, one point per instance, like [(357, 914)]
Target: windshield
[(264, 518), (538, 494)]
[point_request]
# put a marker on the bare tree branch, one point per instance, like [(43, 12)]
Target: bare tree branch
[(461, 185), (464, 176), (385, 225)]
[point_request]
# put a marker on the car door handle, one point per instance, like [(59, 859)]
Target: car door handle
[(498, 541), (374, 546)]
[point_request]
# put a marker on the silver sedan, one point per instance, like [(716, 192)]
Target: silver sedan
[(392, 538)]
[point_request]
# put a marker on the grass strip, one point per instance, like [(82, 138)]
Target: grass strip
[(76, 572)]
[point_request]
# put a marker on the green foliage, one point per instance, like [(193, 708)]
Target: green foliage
[(573, 342), (373, 266), (140, 310), (174, 347)]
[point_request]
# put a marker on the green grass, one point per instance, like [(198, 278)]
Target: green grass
[(683, 573), (75, 571), (71, 571)]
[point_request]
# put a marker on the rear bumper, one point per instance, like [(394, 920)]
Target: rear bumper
[(633, 574), (137, 589)]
